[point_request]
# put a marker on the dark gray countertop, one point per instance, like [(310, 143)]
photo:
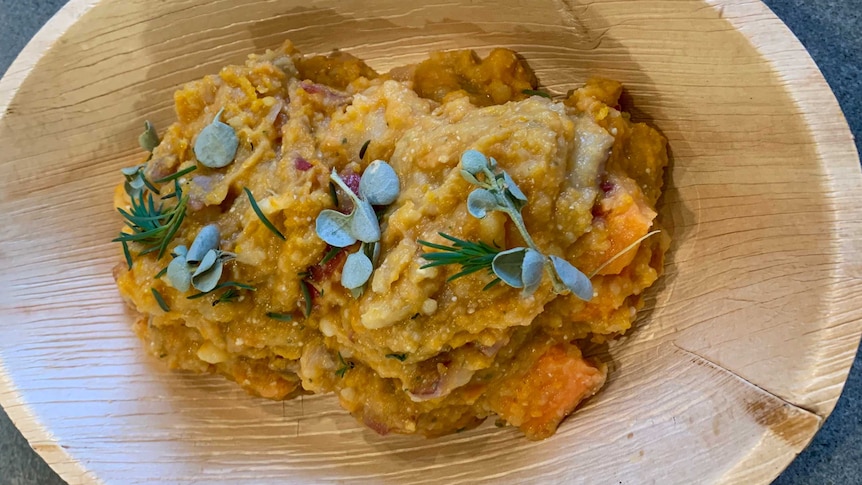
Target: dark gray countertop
[(832, 32)]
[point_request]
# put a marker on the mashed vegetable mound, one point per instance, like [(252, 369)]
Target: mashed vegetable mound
[(415, 352)]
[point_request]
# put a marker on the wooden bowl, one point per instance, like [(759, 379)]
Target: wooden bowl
[(738, 360)]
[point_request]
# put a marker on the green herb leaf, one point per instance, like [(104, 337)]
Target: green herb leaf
[(149, 139), (333, 194), (343, 366), (305, 288), (364, 149), (379, 183), (161, 273), (400, 357), (152, 225), (535, 92), (357, 270), (471, 256), (127, 254), (226, 284), (282, 317), (261, 216), (333, 252), (228, 296), (177, 175), (216, 144), (576, 281), (161, 301)]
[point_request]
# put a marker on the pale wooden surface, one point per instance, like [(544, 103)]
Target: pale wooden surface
[(731, 373)]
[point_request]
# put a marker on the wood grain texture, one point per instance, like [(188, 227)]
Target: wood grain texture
[(740, 356)]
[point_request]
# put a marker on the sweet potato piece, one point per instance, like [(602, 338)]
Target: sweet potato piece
[(538, 400)]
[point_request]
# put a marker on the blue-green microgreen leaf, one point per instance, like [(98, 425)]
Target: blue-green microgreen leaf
[(149, 139), (576, 281), (469, 177), (507, 265), (363, 223), (260, 215), (531, 270), (160, 300), (130, 172), (357, 270), (180, 250), (334, 228), (209, 271), (482, 201), (473, 162), (379, 184), (179, 274), (216, 144), (208, 238), (512, 188)]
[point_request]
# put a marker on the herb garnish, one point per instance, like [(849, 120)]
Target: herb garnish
[(379, 185), (261, 216), (161, 301), (305, 288), (171, 178), (472, 256), (151, 225), (520, 267), (345, 366), (399, 357), (364, 149), (226, 284), (127, 254), (228, 296), (333, 252), (149, 139), (282, 317), (216, 144), (536, 92), (201, 265)]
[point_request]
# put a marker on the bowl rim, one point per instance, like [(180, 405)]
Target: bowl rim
[(832, 145)]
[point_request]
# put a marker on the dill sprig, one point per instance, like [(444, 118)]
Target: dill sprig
[(266, 222), (281, 317), (226, 284), (305, 288), (175, 176), (344, 366), (152, 225), (472, 256), (160, 300)]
